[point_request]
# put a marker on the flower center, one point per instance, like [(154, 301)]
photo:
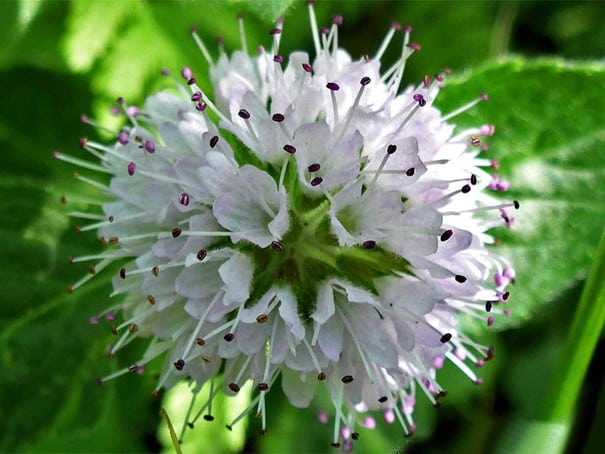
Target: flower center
[(309, 254)]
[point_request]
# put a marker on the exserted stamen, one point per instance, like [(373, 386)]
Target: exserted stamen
[(464, 108), (334, 87), (314, 30), (419, 102), (391, 149), (245, 115), (395, 27), (363, 83), (80, 162), (201, 46)]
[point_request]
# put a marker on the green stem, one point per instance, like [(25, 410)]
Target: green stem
[(549, 432), (580, 345)]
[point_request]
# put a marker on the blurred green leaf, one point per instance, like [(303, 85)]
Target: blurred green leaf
[(267, 9), (550, 140), (91, 27), (32, 34), (49, 354)]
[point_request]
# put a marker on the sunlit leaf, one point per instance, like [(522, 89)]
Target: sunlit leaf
[(91, 28)]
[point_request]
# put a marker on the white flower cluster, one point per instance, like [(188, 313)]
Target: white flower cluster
[(313, 225)]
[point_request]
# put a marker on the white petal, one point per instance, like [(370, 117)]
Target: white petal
[(237, 274), (300, 393), (330, 338), (325, 303), (251, 206), (288, 310)]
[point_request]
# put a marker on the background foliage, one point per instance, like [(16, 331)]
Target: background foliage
[(59, 59)]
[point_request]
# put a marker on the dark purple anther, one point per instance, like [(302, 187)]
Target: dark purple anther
[(410, 172), (337, 20), (196, 96), (414, 46), (368, 244), (123, 273), (263, 386), (314, 167), (191, 81), (316, 181), (234, 387), (446, 235), (277, 246), (333, 86), (488, 306), (131, 168), (201, 254), (392, 148), (180, 364), (184, 199), (490, 353), (347, 379), (419, 99), (229, 337), (484, 97), (466, 189), (243, 113), (200, 106), (149, 147), (290, 148), (475, 141), (490, 320), (278, 59), (123, 138), (396, 26), (278, 118), (93, 320), (186, 73), (460, 278), (275, 31), (164, 72), (120, 101), (383, 399), (307, 67), (445, 338), (324, 31), (213, 141), (365, 81), (409, 28), (176, 232), (473, 179), (516, 204)]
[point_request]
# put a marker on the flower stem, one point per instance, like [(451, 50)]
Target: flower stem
[(549, 432), (581, 342)]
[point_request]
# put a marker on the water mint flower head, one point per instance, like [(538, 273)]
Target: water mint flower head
[(304, 222)]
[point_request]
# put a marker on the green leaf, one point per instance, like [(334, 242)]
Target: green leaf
[(550, 140), (49, 354), (91, 27), (267, 9)]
